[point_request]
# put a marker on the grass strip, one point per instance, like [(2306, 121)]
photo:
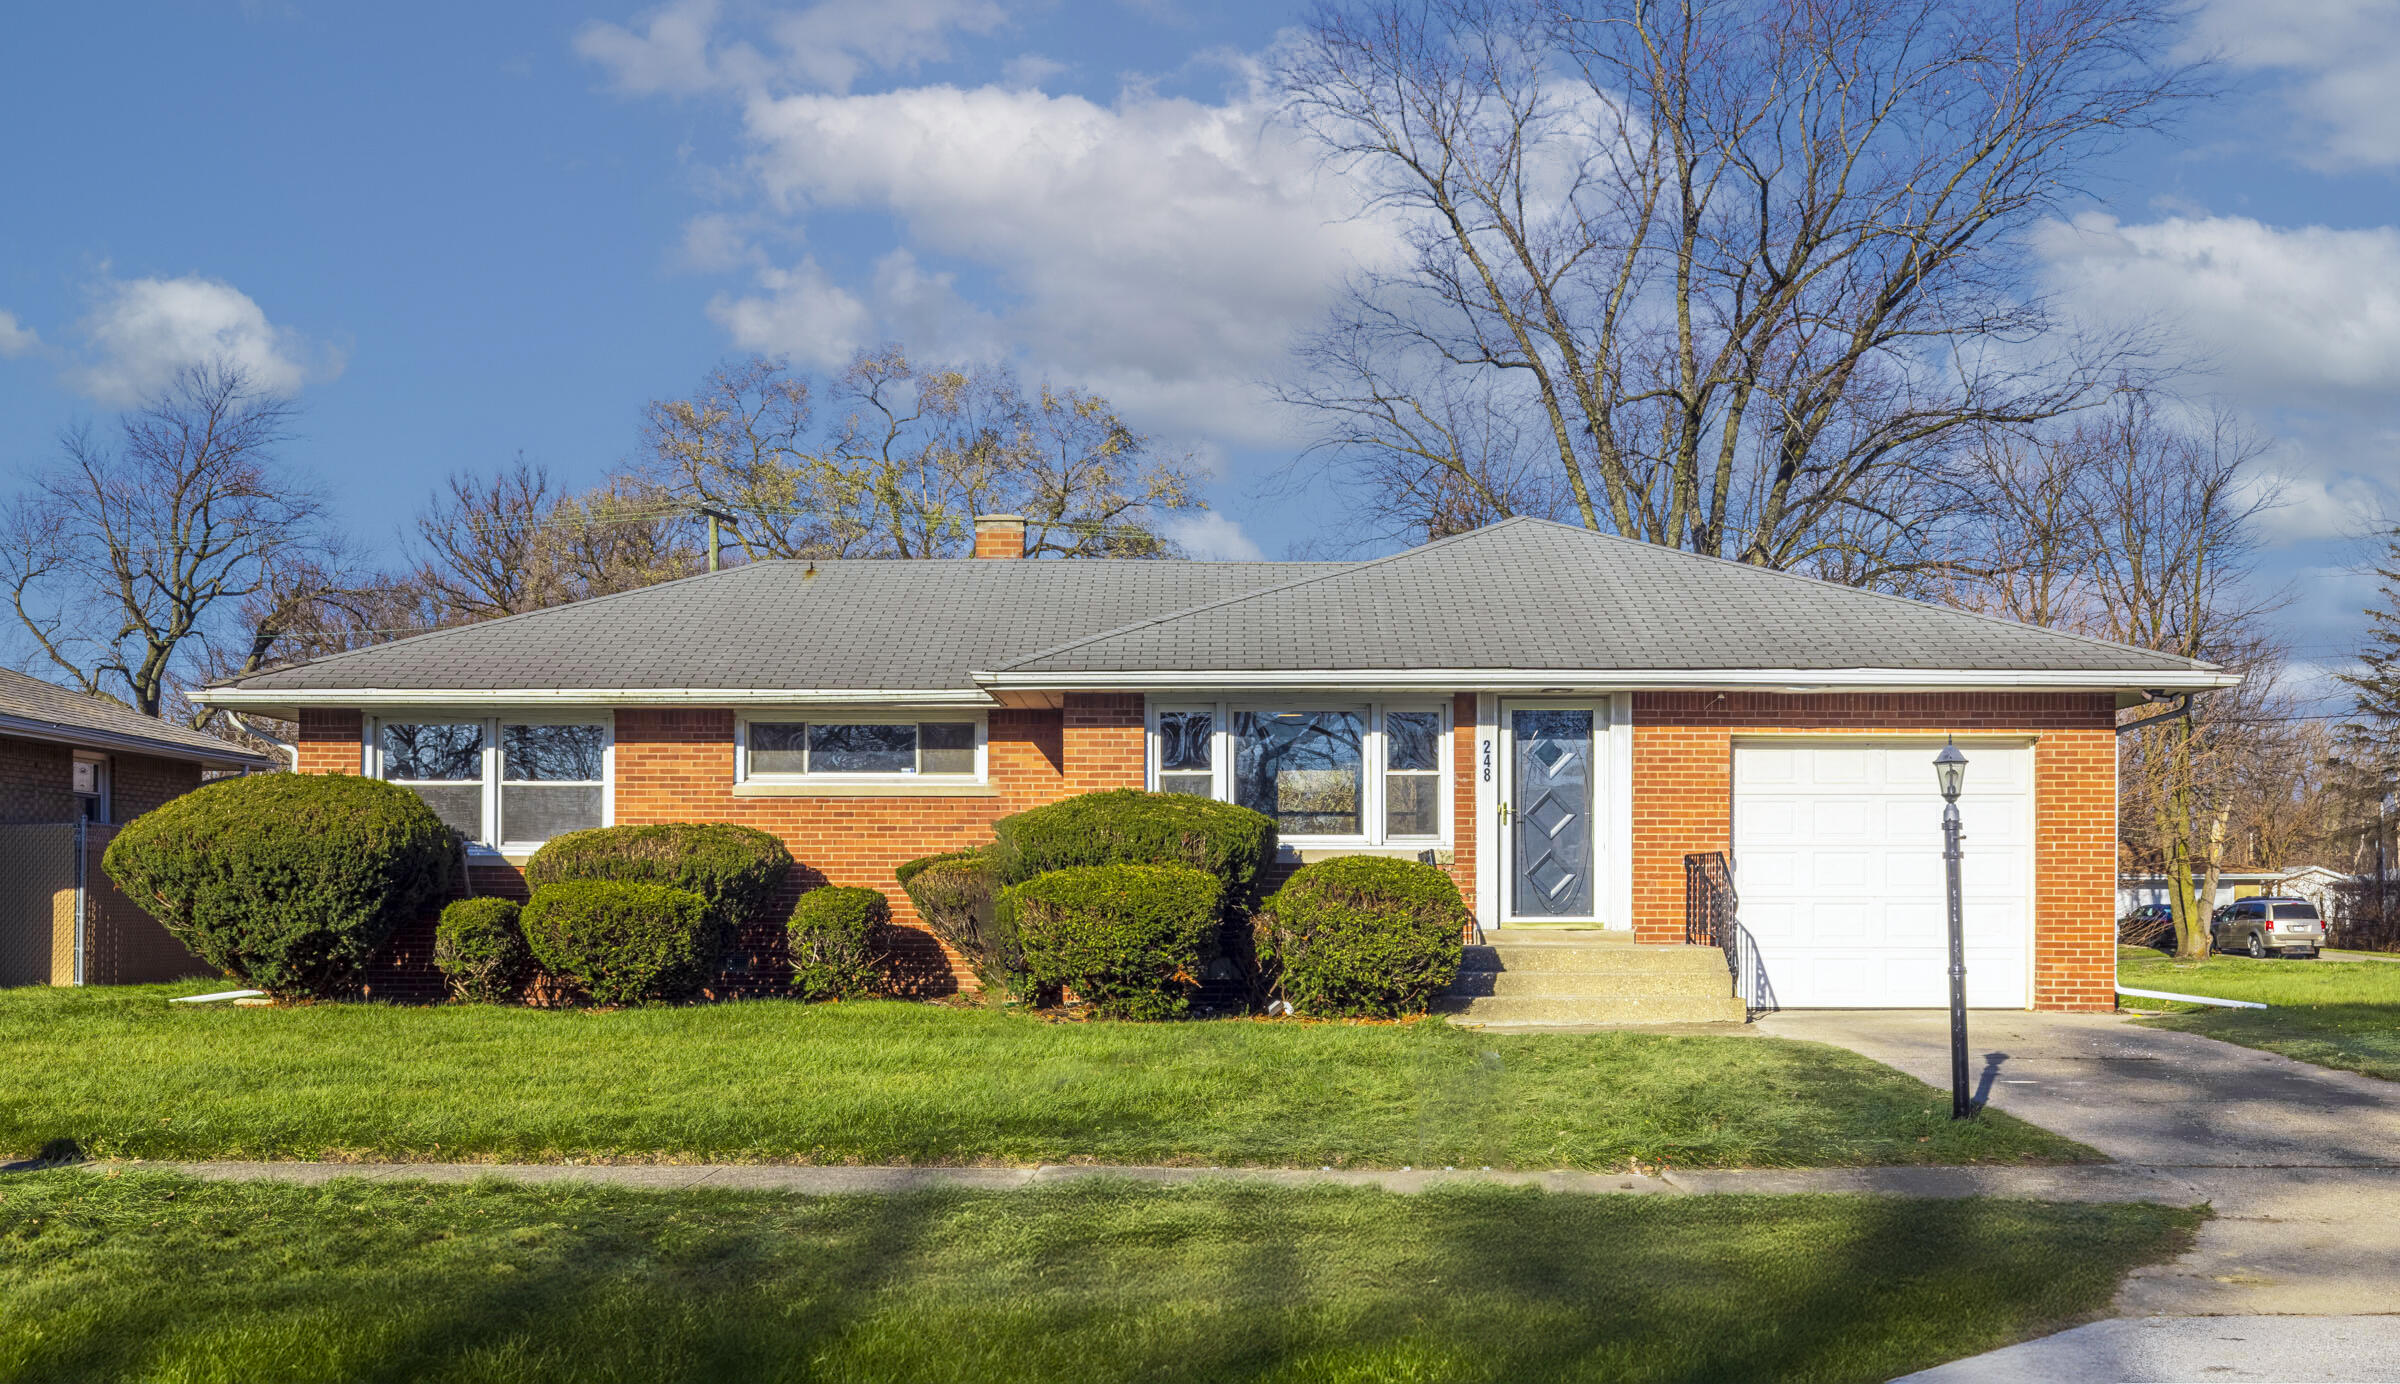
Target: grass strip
[(2330, 1011)]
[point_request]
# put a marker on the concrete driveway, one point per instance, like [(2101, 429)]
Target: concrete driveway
[(2301, 1164)]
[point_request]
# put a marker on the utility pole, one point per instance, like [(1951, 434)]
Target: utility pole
[(716, 517)]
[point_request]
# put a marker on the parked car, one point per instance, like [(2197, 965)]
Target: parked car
[(2268, 927), (2151, 925)]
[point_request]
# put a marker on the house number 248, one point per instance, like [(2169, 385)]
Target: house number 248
[(1487, 761)]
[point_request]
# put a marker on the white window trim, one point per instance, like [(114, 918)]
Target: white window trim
[(1373, 751), (101, 783), (980, 777), (371, 761)]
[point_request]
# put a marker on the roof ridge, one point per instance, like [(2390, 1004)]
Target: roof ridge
[(1908, 601), (1342, 571)]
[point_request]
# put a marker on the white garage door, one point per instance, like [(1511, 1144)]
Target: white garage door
[(1837, 859)]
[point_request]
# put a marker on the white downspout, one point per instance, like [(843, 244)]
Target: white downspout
[(290, 751)]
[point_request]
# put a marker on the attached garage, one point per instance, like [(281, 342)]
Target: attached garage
[(1837, 860)]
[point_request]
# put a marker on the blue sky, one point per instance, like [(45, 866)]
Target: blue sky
[(461, 232)]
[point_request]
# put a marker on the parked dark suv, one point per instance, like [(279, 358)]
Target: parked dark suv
[(2268, 927)]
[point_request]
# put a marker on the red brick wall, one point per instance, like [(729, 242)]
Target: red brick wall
[(329, 741), (1462, 796), (1683, 802), (677, 766)]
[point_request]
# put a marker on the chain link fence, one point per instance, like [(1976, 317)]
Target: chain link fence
[(64, 922)]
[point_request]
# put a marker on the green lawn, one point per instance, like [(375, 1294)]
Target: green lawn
[(122, 1073), (2331, 1011), (151, 1277)]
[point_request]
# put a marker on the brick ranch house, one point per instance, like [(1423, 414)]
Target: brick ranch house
[(1558, 717)]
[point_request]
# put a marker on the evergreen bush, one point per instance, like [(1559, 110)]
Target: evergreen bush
[(624, 942), (1129, 939), (835, 935), (480, 949), (1361, 937)]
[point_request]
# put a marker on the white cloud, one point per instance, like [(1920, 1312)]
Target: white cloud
[(675, 49), (798, 312), (2277, 312), (2340, 63), (141, 331), (1164, 251), (2297, 327), (715, 243), (16, 338), (1212, 537)]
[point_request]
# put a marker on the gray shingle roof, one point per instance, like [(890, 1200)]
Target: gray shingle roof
[(1520, 595), (30, 704), (1531, 595), (855, 624)]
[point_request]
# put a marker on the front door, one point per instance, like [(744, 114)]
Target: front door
[(1549, 813)]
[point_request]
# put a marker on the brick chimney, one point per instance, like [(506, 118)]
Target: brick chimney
[(999, 535)]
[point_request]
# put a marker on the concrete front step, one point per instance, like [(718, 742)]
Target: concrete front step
[(1512, 955), (1611, 981), (1554, 978), (1542, 1010)]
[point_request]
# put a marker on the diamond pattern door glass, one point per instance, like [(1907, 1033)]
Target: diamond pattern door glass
[(1553, 820)]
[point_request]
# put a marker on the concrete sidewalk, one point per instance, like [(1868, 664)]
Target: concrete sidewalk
[(2141, 1350), (2301, 1163)]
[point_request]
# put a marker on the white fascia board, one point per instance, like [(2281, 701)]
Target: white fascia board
[(269, 698), (1585, 680)]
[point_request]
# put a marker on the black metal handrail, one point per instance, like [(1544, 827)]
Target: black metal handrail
[(1708, 899)]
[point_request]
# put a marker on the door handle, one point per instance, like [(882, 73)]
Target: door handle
[(1504, 814)]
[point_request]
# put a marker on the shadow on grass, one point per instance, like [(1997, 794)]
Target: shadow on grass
[(156, 1276)]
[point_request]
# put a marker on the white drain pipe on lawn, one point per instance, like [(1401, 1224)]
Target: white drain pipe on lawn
[(2189, 999)]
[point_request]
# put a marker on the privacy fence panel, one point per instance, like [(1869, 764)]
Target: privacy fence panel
[(64, 922)]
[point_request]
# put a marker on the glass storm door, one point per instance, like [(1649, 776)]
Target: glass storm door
[(1550, 812)]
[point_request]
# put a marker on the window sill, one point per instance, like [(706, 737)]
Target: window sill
[(1309, 852), (756, 789)]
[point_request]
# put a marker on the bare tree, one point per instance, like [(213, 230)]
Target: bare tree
[(135, 552), (904, 458), (517, 541), (1748, 268)]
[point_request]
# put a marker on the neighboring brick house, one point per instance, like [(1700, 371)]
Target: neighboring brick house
[(68, 756), (1559, 718), (66, 759)]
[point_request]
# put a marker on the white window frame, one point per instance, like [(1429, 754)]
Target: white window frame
[(100, 785), (1374, 755), (981, 775), (371, 753)]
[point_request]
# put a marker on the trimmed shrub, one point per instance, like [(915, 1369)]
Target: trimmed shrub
[(623, 942), (1127, 826), (957, 894), (1361, 937), (287, 881), (835, 934), (1129, 939), (481, 950), (738, 870)]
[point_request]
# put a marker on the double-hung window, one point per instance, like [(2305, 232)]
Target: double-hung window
[(1368, 773), (839, 750), (502, 782)]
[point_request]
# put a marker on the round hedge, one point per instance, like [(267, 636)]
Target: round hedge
[(1129, 939), (1362, 937), (957, 895), (737, 869), (287, 881), (480, 948), (1127, 826), (623, 942), (834, 936)]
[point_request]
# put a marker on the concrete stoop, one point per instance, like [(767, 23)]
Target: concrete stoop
[(1559, 978)]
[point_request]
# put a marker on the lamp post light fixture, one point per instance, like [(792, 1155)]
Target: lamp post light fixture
[(1950, 771)]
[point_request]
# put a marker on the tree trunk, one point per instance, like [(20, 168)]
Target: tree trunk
[(2208, 891)]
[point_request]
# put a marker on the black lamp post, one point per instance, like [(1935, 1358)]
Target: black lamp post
[(1950, 770)]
